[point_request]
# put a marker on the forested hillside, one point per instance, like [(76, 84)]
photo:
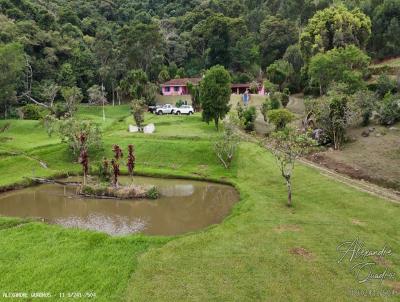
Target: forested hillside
[(50, 45)]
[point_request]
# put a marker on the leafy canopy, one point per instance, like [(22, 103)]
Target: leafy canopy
[(215, 93)]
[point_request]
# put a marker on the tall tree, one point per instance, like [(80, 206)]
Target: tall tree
[(346, 65), (280, 72), (288, 145), (276, 34), (72, 96), (12, 64), (215, 93), (333, 27), (141, 44), (386, 29)]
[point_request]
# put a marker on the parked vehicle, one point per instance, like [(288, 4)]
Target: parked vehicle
[(166, 109), (153, 109), (184, 109)]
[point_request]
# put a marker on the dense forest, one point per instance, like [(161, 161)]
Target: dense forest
[(55, 49)]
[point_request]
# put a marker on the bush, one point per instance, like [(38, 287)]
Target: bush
[(280, 118), (333, 114), (270, 87), (60, 110), (179, 103), (271, 103), (72, 96), (152, 193), (389, 111), (104, 170), (239, 110), (284, 97), (226, 145), (275, 101), (265, 107), (385, 85), (249, 117), (70, 129), (366, 102), (138, 110), (33, 112)]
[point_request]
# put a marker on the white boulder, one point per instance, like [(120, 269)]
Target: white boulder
[(150, 128), (133, 129)]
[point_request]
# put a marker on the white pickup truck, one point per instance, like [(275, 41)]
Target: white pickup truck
[(169, 109), (166, 109)]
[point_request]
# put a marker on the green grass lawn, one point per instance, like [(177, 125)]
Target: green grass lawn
[(263, 251)]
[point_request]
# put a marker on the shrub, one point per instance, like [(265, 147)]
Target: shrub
[(226, 145), (104, 170), (70, 130), (265, 107), (271, 103), (385, 85), (334, 114), (60, 110), (33, 112), (285, 97), (88, 190), (72, 96), (270, 87), (389, 111), (249, 117), (275, 102), (239, 110), (97, 95), (280, 118), (366, 102), (152, 193), (137, 110), (131, 159)]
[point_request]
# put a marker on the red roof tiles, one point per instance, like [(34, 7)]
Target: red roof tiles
[(182, 82)]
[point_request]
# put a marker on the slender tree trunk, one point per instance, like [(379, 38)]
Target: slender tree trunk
[(103, 95), (216, 122), (113, 95), (289, 188), (335, 141), (119, 98)]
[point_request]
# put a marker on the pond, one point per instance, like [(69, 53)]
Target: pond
[(183, 206)]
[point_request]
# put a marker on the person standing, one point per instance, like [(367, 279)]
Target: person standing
[(246, 97)]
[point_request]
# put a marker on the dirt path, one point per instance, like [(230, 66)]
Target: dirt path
[(364, 186), (296, 104)]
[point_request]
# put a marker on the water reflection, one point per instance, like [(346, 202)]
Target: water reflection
[(183, 206)]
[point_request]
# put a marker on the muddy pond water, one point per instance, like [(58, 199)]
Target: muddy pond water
[(183, 206)]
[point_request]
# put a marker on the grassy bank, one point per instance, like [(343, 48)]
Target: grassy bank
[(262, 252)]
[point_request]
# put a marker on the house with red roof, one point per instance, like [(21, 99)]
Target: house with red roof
[(179, 87)]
